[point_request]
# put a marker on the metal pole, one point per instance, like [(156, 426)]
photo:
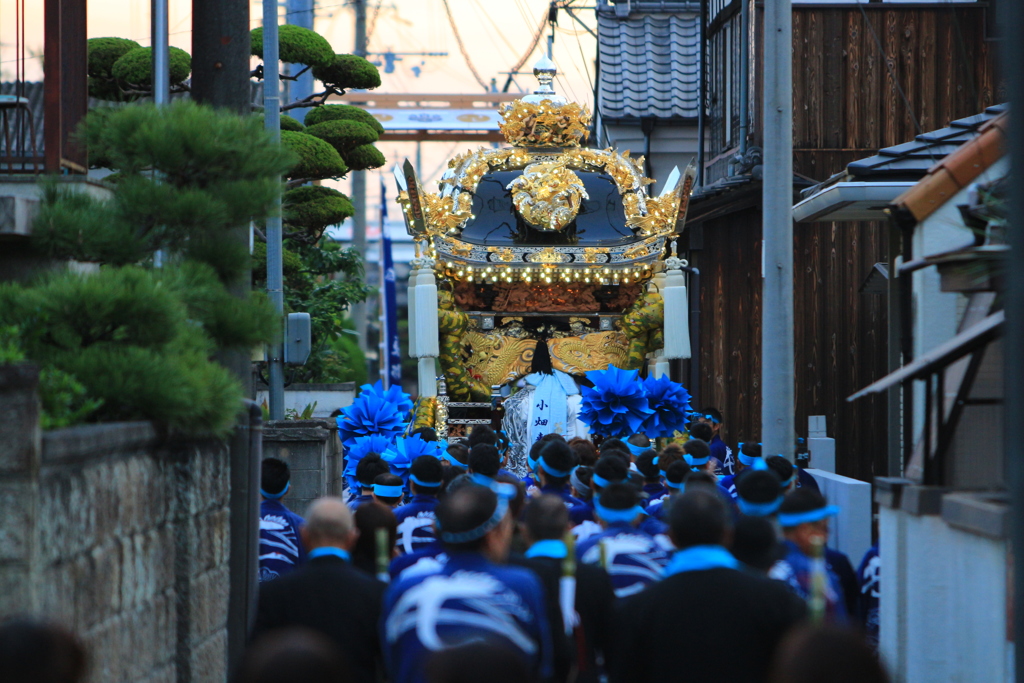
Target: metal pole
[(702, 91), (1011, 14), (744, 74), (161, 56), (275, 265), (359, 189), (894, 406), (777, 419), (300, 13)]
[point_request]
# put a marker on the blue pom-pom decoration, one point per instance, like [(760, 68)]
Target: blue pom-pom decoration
[(670, 403), (616, 405), (370, 414), (363, 445), (406, 449), (394, 395)]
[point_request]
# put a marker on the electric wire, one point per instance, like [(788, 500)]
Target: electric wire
[(462, 47)]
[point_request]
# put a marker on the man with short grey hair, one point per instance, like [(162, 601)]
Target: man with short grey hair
[(328, 594)]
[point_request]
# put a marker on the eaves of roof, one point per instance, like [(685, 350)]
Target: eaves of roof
[(953, 173)]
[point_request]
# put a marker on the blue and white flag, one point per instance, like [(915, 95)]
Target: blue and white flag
[(391, 357)]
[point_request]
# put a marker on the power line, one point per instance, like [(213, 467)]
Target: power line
[(462, 48), (533, 43)]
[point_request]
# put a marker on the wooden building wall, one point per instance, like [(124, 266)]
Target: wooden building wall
[(839, 337), (846, 91), (846, 107)]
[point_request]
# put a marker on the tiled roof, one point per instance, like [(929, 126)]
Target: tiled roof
[(912, 160), (956, 171), (649, 62)]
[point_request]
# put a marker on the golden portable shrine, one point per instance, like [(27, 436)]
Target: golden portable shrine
[(534, 264)]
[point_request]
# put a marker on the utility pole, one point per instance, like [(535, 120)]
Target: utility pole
[(300, 13), (359, 188), (161, 56), (1010, 15), (275, 263), (777, 408), (220, 78)]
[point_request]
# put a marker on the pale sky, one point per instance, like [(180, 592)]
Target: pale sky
[(496, 33)]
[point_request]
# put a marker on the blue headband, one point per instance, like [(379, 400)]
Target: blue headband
[(551, 470), (758, 509), (789, 519), (384, 491), (699, 461), (747, 460), (601, 481), (655, 461), (425, 484), (637, 450), (789, 481), (479, 532), (708, 416), (677, 487), (482, 479), (532, 463), (611, 516), (445, 455), (276, 496)]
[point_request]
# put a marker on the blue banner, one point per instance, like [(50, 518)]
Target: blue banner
[(391, 356)]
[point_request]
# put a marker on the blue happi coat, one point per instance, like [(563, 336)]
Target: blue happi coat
[(633, 557), (280, 545), (468, 600), (795, 570), (563, 493), (416, 523)]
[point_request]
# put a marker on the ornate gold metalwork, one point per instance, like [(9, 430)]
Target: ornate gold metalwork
[(595, 351), (548, 195), (544, 124), (498, 358), (548, 255), (660, 218)]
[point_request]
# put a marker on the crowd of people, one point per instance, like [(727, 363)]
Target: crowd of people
[(616, 562)]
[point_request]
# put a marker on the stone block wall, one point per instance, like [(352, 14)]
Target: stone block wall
[(312, 451), (118, 535)]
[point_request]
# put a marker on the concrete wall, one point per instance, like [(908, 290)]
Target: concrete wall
[(944, 610), (313, 452), (851, 529), (117, 535), (327, 397)]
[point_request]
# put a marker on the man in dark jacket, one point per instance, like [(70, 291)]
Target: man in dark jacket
[(704, 592), (546, 522), (328, 594)]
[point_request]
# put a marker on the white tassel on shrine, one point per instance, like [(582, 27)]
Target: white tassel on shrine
[(413, 277), (677, 313), (426, 314)]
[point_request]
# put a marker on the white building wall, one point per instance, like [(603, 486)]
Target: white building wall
[(936, 314), (943, 603), (670, 146)]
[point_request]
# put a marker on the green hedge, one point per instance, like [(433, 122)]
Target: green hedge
[(336, 112), (317, 159), (135, 67), (296, 45), (343, 134), (364, 157), (314, 208), (347, 72)]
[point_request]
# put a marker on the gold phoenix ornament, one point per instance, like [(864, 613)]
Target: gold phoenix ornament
[(548, 195)]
